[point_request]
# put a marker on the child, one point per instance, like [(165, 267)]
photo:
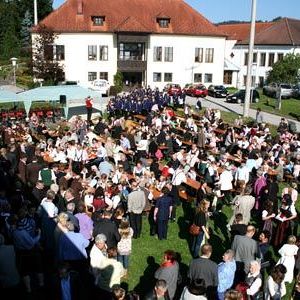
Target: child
[(124, 246), (287, 253)]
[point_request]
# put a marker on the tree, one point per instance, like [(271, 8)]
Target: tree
[(44, 64), (26, 25), (118, 81), (286, 70)]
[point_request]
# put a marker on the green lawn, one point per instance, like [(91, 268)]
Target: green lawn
[(148, 250), (290, 108)]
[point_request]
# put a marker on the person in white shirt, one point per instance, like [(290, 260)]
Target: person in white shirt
[(225, 183), (241, 176), (47, 206), (253, 279), (275, 286), (98, 254)]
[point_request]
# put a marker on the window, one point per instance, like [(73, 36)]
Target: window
[(208, 77), (163, 22), (254, 60), (197, 77), (48, 52), (245, 80), (59, 52), (271, 59), (227, 77), (157, 77), (246, 55), (209, 55), (54, 52), (98, 20), (261, 81), (131, 51), (262, 61), (103, 75), (92, 52), (103, 52), (279, 56), (168, 53), (199, 55), (168, 77), (157, 54), (92, 76)]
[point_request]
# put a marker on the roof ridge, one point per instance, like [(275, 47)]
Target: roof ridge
[(289, 31)]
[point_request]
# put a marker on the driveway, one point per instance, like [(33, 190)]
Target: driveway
[(221, 104)]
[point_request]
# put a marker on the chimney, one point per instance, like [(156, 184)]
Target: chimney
[(79, 7)]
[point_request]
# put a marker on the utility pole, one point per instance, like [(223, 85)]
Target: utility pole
[(35, 12), (250, 59)]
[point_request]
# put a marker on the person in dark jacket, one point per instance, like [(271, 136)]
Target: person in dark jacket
[(107, 227), (69, 284), (162, 213), (160, 290)]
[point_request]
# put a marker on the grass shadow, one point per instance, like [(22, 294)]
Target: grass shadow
[(147, 280)]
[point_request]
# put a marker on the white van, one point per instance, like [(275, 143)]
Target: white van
[(100, 85)]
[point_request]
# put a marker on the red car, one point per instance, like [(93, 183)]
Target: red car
[(196, 90), (172, 88)]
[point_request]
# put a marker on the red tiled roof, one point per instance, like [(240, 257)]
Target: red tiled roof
[(285, 31), (131, 15), (241, 31)]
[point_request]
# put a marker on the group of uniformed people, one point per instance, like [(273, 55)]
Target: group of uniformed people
[(142, 101)]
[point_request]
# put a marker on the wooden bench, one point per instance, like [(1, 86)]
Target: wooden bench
[(140, 117)]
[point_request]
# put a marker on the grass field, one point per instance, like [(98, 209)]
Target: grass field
[(148, 250), (290, 108)]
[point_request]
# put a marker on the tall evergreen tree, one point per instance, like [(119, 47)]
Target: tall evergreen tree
[(25, 30)]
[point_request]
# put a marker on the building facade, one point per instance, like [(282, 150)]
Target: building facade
[(273, 40), (150, 42)]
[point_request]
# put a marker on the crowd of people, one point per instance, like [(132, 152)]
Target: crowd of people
[(75, 193)]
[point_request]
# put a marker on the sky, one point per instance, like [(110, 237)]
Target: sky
[(224, 10)]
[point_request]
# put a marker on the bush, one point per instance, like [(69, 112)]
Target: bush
[(114, 90)]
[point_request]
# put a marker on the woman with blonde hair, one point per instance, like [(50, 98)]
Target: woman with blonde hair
[(200, 220), (124, 245), (287, 253)]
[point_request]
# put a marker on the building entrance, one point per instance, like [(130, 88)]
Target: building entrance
[(132, 79)]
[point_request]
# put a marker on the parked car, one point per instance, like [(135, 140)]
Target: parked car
[(239, 96), (296, 91), (172, 88), (272, 90), (196, 90), (217, 91), (100, 85)]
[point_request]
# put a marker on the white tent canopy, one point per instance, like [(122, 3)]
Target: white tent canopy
[(7, 96), (49, 93)]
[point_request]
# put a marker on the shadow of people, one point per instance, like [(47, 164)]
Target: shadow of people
[(147, 280), (220, 222), (182, 276)]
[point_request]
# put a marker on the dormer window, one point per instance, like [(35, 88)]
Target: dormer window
[(98, 20), (163, 22)]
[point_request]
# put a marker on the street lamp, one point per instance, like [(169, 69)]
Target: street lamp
[(14, 64)]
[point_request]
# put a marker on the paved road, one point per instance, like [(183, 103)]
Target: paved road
[(78, 108), (220, 103)]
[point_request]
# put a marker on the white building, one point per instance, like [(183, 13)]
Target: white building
[(151, 42), (273, 40)]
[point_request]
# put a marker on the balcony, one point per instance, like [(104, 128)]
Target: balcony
[(131, 65)]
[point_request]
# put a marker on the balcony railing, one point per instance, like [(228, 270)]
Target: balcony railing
[(132, 65)]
